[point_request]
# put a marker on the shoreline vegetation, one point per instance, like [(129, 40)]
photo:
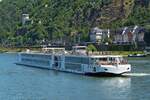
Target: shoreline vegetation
[(15, 49), (19, 49)]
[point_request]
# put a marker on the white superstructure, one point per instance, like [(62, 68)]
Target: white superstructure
[(76, 61)]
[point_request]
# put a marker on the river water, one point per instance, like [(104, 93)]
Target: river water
[(26, 83)]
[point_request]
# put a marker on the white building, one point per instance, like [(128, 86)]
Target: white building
[(99, 35), (25, 18)]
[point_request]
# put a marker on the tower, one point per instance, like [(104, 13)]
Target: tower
[(25, 18)]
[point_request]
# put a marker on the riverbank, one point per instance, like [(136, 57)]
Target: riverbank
[(3, 50), (126, 53), (16, 49)]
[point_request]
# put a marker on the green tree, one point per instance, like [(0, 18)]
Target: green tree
[(91, 47)]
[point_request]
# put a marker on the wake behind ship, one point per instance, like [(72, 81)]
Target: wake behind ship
[(75, 61)]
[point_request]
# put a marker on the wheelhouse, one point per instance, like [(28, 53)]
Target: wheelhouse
[(108, 60)]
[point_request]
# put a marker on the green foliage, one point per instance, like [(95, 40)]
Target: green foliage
[(120, 47), (54, 19), (91, 47)]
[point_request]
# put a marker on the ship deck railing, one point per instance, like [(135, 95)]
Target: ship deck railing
[(90, 53), (99, 53)]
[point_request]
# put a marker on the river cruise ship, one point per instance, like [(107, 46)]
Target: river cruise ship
[(76, 61)]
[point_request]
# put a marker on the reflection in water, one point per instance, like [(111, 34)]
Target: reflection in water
[(115, 88), (136, 74), (118, 82)]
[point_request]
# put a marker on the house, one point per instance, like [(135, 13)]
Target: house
[(121, 36), (128, 35), (99, 35), (140, 35)]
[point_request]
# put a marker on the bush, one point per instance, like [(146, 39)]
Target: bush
[(91, 47)]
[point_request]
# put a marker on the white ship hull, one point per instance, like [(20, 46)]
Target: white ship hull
[(70, 63)]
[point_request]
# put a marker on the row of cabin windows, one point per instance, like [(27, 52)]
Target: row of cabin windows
[(110, 59), (80, 60), (83, 60), (36, 55), (71, 66), (42, 62)]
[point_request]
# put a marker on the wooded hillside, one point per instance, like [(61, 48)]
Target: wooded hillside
[(54, 19)]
